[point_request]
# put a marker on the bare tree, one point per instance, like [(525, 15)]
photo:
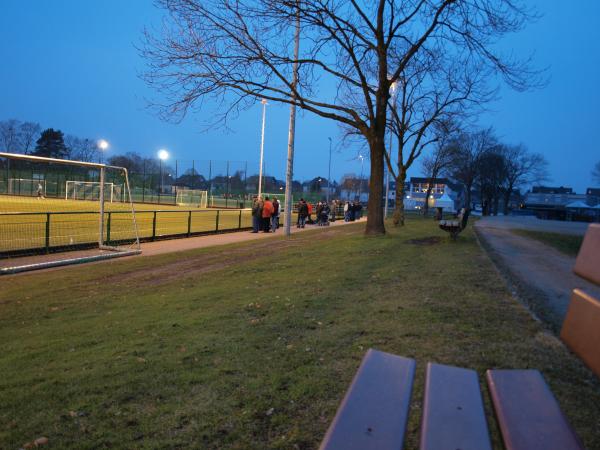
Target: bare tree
[(465, 167), (29, 132), (236, 52), (596, 172), (9, 135), (433, 165), (521, 168), (82, 149)]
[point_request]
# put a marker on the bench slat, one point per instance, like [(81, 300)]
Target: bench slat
[(581, 329), (374, 412), (527, 412), (453, 413), (587, 264)]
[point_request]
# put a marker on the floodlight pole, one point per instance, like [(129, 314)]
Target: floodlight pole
[(289, 173), (329, 173), (262, 146), (101, 224)]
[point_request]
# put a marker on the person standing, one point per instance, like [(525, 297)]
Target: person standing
[(257, 208), (267, 212), (347, 212), (275, 216), (302, 213), (40, 190)]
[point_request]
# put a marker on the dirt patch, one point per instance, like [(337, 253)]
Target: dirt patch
[(431, 240), (196, 264)]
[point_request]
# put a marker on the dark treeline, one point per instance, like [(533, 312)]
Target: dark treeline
[(482, 164)]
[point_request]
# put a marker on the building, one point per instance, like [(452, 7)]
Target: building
[(561, 203), (442, 194)]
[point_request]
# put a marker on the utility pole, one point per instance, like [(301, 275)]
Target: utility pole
[(387, 175), (329, 174), (262, 146), (289, 174)]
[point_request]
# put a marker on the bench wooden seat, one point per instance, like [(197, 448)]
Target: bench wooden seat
[(374, 412), (453, 413), (528, 415)]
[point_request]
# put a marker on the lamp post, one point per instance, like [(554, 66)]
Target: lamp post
[(362, 160), (103, 146), (163, 155), (262, 146), (387, 175), (329, 172)]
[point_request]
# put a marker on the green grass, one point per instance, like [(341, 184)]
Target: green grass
[(253, 346), (566, 243)]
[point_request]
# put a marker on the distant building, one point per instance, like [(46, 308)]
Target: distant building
[(443, 193), (561, 203)]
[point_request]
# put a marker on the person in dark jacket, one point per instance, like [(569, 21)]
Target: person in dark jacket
[(257, 207), (302, 213), (275, 216)]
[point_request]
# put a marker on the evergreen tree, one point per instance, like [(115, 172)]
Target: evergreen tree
[(51, 144)]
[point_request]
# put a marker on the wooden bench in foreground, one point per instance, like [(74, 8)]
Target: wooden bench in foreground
[(374, 412), (581, 327)]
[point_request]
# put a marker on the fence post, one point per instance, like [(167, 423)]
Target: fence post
[(240, 221), (217, 224), (189, 223), (108, 228), (47, 232), (154, 226)]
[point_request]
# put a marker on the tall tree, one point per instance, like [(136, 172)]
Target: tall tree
[(521, 168), (9, 135), (239, 51), (596, 172), (28, 134), (82, 149), (51, 144)]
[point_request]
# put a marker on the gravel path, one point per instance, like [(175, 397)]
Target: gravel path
[(541, 276)]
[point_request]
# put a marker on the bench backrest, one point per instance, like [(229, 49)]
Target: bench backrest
[(581, 327)]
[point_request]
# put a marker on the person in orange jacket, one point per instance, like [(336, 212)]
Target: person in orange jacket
[(267, 212)]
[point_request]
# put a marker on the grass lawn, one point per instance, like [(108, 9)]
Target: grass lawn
[(567, 243), (253, 346)]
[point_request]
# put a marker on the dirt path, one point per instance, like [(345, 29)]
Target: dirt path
[(541, 275)]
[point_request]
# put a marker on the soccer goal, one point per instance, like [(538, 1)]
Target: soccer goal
[(192, 197), (38, 232), (90, 190), (26, 186)]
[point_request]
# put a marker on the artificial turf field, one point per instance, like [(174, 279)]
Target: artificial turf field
[(252, 346), (77, 222)]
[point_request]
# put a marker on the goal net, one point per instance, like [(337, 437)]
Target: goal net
[(84, 214), (27, 186), (90, 190), (192, 197)]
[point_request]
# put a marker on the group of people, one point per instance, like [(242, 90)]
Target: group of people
[(265, 215), (352, 211)]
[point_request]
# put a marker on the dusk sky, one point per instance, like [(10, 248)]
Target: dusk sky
[(73, 65)]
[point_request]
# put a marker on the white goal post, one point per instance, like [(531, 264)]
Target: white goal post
[(38, 233), (90, 190), (25, 186), (192, 197)]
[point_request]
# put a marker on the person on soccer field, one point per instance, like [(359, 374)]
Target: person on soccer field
[(275, 216), (257, 209), (40, 191), (267, 212)]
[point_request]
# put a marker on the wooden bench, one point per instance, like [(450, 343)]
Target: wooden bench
[(454, 227), (374, 412), (581, 327)]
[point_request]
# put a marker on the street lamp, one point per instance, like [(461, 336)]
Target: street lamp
[(362, 160), (103, 146), (262, 146), (163, 155), (329, 173), (393, 88)]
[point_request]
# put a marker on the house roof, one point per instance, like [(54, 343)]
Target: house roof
[(577, 205)]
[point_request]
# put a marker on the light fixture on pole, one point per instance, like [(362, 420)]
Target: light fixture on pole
[(329, 173), (163, 155), (262, 146), (362, 160), (103, 146), (289, 171), (393, 88)]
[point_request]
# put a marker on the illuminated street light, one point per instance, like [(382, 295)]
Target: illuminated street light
[(103, 146), (163, 155)]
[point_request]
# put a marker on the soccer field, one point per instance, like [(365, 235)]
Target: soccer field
[(32, 223)]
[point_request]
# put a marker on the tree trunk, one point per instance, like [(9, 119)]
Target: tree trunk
[(426, 205), (468, 198), (399, 207), (375, 225), (506, 202)]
